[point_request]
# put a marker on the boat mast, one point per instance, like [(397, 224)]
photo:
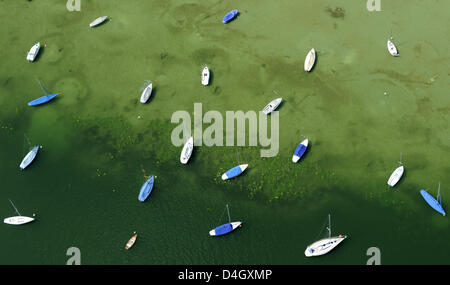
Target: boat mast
[(228, 211), (14, 207), (329, 226), (439, 193), (400, 162), (237, 155)]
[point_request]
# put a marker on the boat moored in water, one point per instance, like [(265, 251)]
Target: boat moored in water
[(436, 204), (146, 93), (325, 245), (269, 108), (42, 100), (31, 56), (131, 242), (205, 76), (28, 159), (310, 60), (229, 16), (98, 21), (146, 189), (186, 152), (300, 151), (225, 228), (392, 48)]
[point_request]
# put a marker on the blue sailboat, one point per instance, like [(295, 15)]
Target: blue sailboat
[(230, 16), (235, 171), (146, 189), (434, 203), (225, 228), (300, 151), (43, 99)]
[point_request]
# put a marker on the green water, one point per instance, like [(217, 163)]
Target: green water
[(85, 181)]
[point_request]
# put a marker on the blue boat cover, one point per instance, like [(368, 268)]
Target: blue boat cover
[(228, 17), (42, 100), (223, 229), (233, 172), (300, 150), (432, 202), (146, 189)]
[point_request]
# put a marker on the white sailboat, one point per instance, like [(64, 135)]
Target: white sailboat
[(397, 174), (325, 245), (205, 76), (146, 93), (310, 60), (33, 52), (187, 150), (98, 21), (17, 220), (269, 108), (28, 159), (392, 48)]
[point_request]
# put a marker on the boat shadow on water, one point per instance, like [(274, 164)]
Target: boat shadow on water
[(40, 53), (316, 61)]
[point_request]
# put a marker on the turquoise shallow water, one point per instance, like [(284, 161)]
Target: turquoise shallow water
[(85, 181)]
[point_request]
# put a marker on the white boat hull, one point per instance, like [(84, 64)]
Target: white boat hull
[(31, 56), (146, 93), (269, 108), (323, 246), (98, 21), (187, 150), (395, 176), (310, 60), (29, 158), (18, 220), (205, 76), (392, 48)]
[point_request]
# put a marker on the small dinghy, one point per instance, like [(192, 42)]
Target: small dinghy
[(28, 159), (146, 93), (300, 151), (98, 21), (325, 245), (230, 16), (146, 189), (17, 220), (310, 60), (235, 171), (205, 76), (392, 48), (225, 228), (131, 242), (42, 100), (187, 150), (436, 204), (272, 106), (397, 174), (31, 56)]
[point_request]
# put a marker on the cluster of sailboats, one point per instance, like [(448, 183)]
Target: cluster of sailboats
[(317, 248)]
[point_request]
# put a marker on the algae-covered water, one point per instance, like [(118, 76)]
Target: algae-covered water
[(360, 108)]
